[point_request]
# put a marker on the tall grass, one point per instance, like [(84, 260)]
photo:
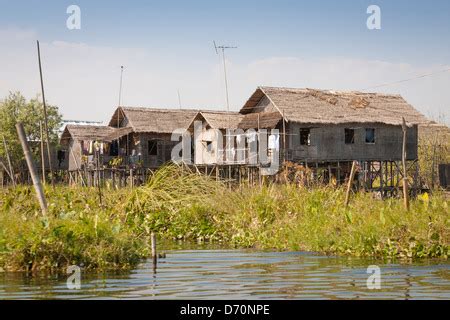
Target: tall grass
[(286, 217), (77, 230), (181, 205)]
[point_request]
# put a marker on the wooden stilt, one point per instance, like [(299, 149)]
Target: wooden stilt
[(405, 174), (350, 182)]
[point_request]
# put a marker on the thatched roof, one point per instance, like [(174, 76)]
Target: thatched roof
[(153, 120), (263, 120), (433, 130), (332, 107), (118, 133), (85, 132), (222, 119)]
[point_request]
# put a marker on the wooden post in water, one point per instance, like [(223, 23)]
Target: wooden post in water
[(31, 167), (154, 254), (350, 182), (405, 175)]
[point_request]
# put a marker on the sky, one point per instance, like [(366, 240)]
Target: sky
[(166, 47)]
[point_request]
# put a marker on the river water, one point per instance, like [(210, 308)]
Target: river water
[(243, 274)]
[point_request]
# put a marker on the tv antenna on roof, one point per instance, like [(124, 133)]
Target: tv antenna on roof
[(120, 97), (179, 98), (120, 86), (224, 68)]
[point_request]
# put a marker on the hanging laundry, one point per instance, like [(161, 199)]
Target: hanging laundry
[(271, 141), (274, 141), (251, 137), (85, 146), (96, 146), (277, 142)]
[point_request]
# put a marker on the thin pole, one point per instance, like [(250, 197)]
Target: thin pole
[(7, 171), (226, 81), (284, 141), (11, 171), (350, 182), (98, 177), (154, 254), (42, 152), (32, 168), (120, 87), (45, 116), (179, 98), (405, 177), (78, 168), (433, 161)]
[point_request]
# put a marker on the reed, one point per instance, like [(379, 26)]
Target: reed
[(180, 205)]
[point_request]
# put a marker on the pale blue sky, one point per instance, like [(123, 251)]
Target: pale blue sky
[(168, 46)]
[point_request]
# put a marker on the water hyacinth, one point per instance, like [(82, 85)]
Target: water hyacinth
[(177, 204)]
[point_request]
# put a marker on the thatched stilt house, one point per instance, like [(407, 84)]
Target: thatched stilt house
[(144, 134), (336, 126), (78, 143), (211, 137)]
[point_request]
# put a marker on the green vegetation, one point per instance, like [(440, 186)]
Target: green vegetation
[(434, 149), (75, 231), (15, 108), (186, 206)]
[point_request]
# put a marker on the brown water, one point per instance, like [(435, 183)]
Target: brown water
[(243, 274)]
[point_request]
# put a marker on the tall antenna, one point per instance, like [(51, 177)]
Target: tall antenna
[(120, 88), (179, 98), (224, 68), (120, 97)]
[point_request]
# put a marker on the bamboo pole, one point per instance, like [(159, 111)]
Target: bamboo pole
[(78, 167), (350, 182), (11, 171), (32, 168), (7, 171), (153, 239), (284, 141), (42, 152), (405, 176), (131, 179), (154, 254), (433, 161), (45, 117), (98, 177)]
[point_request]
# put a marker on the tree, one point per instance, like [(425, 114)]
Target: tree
[(15, 108)]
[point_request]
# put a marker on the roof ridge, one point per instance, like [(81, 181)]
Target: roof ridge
[(331, 91), (157, 109)]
